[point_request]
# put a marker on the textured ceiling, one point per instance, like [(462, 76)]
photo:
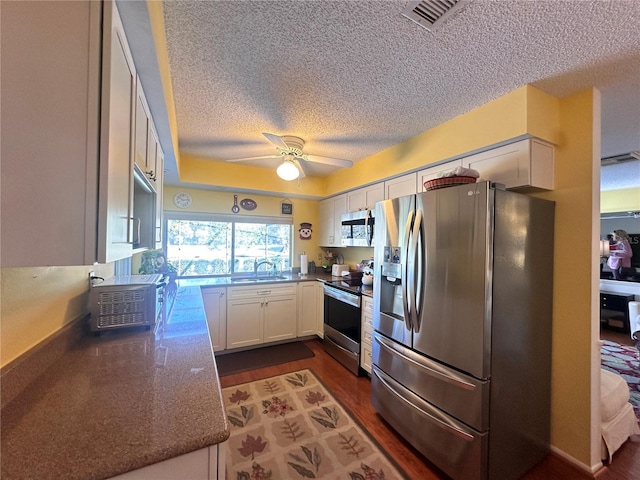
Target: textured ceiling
[(355, 77)]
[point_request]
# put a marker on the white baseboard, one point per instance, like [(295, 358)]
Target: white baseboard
[(582, 466)]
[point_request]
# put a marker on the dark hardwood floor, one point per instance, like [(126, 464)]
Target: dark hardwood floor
[(354, 394), (615, 336)]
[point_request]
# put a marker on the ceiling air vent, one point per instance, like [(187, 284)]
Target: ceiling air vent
[(622, 158), (431, 13)]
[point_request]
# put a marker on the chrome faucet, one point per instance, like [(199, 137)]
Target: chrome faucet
[(256, 264)]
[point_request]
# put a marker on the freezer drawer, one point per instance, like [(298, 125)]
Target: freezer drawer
[(461, 396), (456, 449)]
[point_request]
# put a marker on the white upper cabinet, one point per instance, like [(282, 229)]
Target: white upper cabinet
[(431, 173), (116, 188), (143, 156), (365, 198), (330, 214), (527, 163), (67, 104), (158, 180), (400, 186), (149, 158)]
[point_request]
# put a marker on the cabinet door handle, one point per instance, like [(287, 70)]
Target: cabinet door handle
[(134, 236)]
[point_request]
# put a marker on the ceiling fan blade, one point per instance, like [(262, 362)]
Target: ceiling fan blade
[(263, 157), (336, 162), (276, 140), (301, 168)]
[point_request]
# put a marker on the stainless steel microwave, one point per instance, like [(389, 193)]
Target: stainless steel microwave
[(357, 229)]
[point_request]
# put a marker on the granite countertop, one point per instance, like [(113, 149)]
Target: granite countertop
[(116, 403), (285, 277), (205, 282)]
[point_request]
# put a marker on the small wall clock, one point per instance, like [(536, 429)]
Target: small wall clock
[(182, 200)]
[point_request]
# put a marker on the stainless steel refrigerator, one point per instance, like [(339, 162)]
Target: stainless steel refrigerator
[(462, 319)]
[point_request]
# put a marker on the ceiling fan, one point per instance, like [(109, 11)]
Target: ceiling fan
[(289, 148)]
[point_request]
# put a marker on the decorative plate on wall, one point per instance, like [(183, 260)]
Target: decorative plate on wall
[(248, 204)]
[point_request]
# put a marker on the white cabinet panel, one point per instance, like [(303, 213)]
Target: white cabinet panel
[(215, 307), (365, 198), (202, 464), (280, 318), (320, 309), (244, 322), (82, 94), (141, 151), (433, 172), (159, 179), (527, 163), (400, 186), (257, 315), (115, 229), (330, 212), (307, 308), (367, 332)]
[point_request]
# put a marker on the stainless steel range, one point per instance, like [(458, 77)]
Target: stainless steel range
[(342, 317)]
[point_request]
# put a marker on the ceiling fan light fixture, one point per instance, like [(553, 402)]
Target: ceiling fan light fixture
[(288, 170)]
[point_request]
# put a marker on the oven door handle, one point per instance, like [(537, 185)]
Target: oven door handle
[(342, 296), (337, 345)]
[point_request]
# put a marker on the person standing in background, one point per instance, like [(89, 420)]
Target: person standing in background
[(621, 256)]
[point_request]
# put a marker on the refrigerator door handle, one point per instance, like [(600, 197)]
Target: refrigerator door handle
[(442, 423), (404, 257), (429, 371), (368, 230), (416, 269)]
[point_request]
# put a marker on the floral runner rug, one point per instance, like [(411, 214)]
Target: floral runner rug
[(290, 427)]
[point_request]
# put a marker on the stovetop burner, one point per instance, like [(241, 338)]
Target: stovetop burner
[(353, 285)]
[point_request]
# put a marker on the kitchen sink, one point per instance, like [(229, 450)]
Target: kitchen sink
[(257, 279)]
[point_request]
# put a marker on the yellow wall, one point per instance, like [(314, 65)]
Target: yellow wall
[(576, 232), (36, 302), (230, 175), (304, 210), (625, 200)]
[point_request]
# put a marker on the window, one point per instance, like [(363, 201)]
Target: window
[(222, 245)]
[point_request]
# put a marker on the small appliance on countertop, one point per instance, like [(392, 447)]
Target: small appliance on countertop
[(338, 268), (127, 301)]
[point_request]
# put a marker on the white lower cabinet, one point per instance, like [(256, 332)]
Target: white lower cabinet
[(261, 315), (310, 309), (215, 307), (307, 308), (366, 335), (320, 309), (204, 464)]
